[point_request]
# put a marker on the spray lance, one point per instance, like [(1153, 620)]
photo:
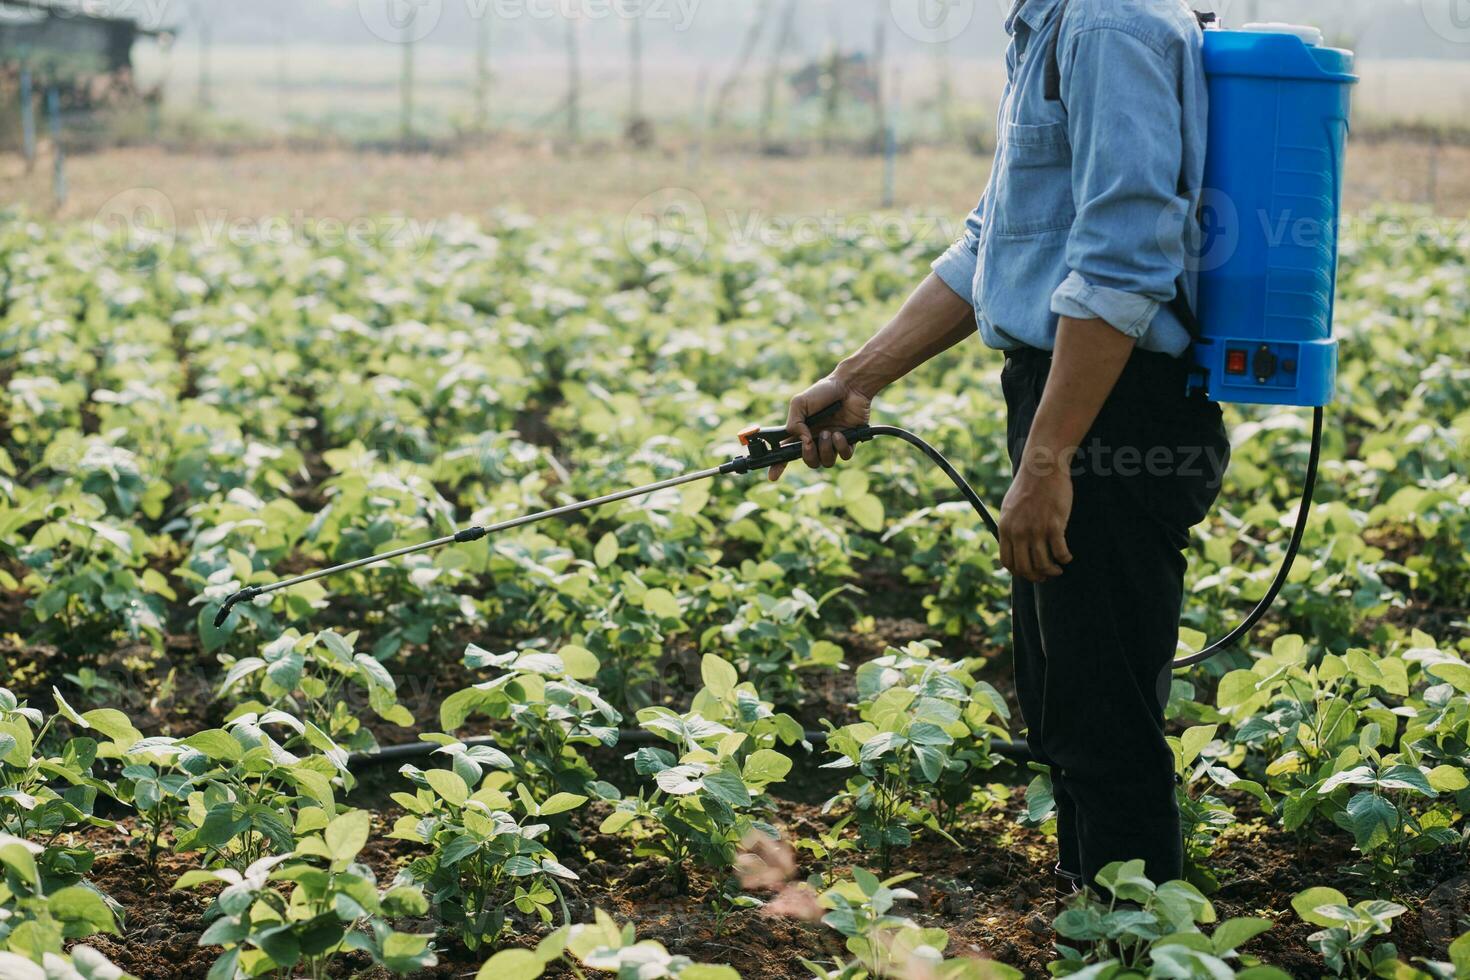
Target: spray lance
[(1267, 268)]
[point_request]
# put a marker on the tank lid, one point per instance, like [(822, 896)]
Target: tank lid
[(1311, 36), (1276, 51)]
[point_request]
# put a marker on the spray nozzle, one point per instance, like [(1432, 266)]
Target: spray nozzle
[(244, 595)]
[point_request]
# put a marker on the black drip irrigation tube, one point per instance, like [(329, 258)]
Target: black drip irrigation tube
[(1017, 752)]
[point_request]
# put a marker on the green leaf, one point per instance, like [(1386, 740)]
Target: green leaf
[(1194, 740), (448, 785), (20, 856), (867, 881), (766, 766), (561, 803), (82, 910), (1307, 902), (661, 603), (1236, 688), (719, 676), (606, 551), (512, 964), (1454, 672), (726, 785), (216, 743), (867, 510), (1235, 933), (709, 971), (1448, 779), (347, 834), (114, 724), (1460, 954), (580, 663), (1126, 880), (1405, 778)]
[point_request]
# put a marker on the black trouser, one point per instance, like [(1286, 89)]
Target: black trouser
[(1092, 647)]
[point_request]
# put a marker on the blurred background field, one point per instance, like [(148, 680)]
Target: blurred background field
[(761, 107)]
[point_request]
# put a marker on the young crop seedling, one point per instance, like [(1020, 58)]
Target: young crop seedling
[(886, 944), (247, 787), (49, 797), (484, 861), (1149, 930), (327, 901), (39, 927), (1350, 930), (601, 946), (1204, 816), (315, 678), (710, 797), (923, 719), (551, 709)]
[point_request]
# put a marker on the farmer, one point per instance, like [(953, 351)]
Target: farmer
[(1073, 265)]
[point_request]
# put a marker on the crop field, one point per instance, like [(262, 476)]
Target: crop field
[(732, 729)]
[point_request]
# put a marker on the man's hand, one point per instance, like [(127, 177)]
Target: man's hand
[(1033, 521), (824, 446)]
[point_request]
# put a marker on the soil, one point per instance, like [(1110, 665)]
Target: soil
[(992, 894)]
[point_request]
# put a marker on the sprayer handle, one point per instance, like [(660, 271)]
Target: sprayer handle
[(766, 440)]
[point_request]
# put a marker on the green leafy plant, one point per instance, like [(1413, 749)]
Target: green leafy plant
[(45, 796), (551, 710), (1349, 931), (483, 860), (886, 944), (310, 677), (923, 719), (711, 797), (1149, 930), (1203, 816), (602, 946), (38, 926), (248, 787), (297, 912)]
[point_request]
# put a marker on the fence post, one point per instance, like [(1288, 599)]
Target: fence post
[(27, 120), (405, 89), (890, 140), (58, 176)]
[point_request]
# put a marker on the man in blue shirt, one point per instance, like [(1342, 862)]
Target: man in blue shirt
[(1073, 264)]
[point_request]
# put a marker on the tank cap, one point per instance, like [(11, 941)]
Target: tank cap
[(1311, 36)]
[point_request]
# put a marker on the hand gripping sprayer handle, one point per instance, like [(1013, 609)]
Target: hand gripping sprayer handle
[(770, 446)]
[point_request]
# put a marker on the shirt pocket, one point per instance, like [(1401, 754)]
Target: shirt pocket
[(1034, 184)]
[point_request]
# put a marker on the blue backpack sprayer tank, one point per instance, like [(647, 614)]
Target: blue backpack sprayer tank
[(1267, 273)]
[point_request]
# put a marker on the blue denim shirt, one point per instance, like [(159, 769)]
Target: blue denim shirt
[(1090, 207)]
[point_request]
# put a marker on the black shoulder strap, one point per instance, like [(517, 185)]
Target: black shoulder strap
[(1053, 88)]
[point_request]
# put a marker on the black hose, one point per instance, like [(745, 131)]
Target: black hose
[(1309, 486), (938, 459), (1017, 751)]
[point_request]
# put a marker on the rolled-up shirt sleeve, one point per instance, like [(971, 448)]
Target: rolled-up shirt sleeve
[(956, 267), (1125, 251)]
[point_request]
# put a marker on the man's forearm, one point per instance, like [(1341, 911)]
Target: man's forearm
[(932, 321), (1086, 364)]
